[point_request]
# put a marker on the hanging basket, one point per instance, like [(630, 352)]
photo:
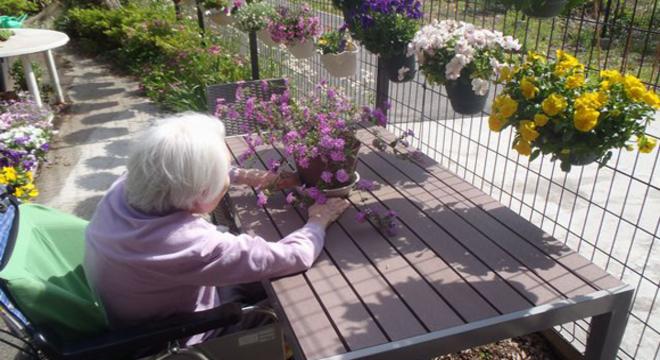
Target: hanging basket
[(341, 65), (544, 8), (264, 36), (302, 50), (463, 99), (221, 18), (400, 68), (583, 159)]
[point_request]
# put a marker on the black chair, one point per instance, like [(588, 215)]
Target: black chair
[(228, 92), (43, 342), (223, 215)]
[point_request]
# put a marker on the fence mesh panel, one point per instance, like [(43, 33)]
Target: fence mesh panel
[(610, 215)]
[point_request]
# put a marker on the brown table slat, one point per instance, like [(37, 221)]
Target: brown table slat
[(384, 303), (470, 219), (313, 331), (515, 226), (447, 281)]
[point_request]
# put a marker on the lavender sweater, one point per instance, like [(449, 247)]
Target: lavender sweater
[(147, 267)]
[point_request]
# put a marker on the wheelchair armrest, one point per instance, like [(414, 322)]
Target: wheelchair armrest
[(156, 333)]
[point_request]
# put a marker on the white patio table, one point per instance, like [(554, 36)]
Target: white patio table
[(32, 41)]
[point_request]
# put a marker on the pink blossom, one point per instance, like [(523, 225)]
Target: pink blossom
[(326, 176), (342, 176), (290, 198), (262, 199)]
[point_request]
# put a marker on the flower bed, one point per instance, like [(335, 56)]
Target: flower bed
[(174, 64), (25, 133)]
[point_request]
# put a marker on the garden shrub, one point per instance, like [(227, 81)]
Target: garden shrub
[(174, 62), (17, 7)]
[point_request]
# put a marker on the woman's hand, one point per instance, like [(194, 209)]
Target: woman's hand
[(280, 181), (327, 213)]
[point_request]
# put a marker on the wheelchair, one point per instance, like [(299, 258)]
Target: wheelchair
[(52, 312)]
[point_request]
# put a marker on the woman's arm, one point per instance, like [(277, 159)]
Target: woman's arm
[(225, 259), (262, 179)]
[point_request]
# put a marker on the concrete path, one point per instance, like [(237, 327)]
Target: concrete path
[(94, 138), (90, 151)]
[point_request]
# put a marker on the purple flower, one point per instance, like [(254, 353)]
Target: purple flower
[(361, 217), (337, 156), (262, 199), (321, 199), (273, 165), (326, 176), (339, 144), (342, 176), (391, 213), (366, 185), (313, 192), (291, 198)]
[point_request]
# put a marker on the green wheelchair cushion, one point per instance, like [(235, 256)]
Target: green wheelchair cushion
[(45, 274)]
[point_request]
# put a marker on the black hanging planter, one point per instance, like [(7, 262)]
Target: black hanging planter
[(544, 8), (462, 97), (400, 68)]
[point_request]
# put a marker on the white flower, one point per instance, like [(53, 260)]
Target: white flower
[(455, 66), (402, 72), (480, 86)]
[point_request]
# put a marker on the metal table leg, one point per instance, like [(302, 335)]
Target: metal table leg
[(606, 330), (31, 80), (4, 73), (54, 77)]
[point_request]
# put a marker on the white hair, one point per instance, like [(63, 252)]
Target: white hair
[(181, 161)]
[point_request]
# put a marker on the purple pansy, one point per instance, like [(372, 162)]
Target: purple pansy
[(326, 176), (262, 199), (342, 176)]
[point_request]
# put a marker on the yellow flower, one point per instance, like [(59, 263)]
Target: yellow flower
[(534, 56), (540, 120), (527, 130), (496, 122), (523, 147), (323, 42), (9, 175), (652, 99), (566, 63), (505, 106), (575, 81), (529, 90), (505, 75), (646, 144), (630, 81), (636, 93), (594, 99), (611, 76), (554, 104), (585, 118)]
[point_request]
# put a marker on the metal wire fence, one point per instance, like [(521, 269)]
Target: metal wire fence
[(610, 215)]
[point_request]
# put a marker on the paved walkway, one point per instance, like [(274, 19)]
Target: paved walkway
[(91, 149)]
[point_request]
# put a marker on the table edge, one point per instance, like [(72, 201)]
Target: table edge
[(40, 48), (499, 327)]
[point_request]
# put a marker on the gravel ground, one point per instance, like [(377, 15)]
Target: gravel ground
[(531, 347)]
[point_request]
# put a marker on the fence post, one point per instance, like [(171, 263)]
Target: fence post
[(200, 16), (254, 55), (382, 87)]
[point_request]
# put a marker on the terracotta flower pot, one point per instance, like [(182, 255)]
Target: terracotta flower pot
[(463, 99), (264, 36), (302, 50), (544, 8), (401, 68), (311, 175), (221, 18), (341, 65)]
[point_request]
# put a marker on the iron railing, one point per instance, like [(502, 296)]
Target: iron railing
[(610, 215)]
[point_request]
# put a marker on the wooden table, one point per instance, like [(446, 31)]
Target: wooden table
[(464, 270)]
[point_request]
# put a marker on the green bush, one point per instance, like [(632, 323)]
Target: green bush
[(17, 7), (173, 61)]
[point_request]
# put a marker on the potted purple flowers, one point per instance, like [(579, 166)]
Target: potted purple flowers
[(386, 27), (296, 28)]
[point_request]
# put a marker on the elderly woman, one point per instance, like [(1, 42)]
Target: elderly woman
[(150, 254)]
